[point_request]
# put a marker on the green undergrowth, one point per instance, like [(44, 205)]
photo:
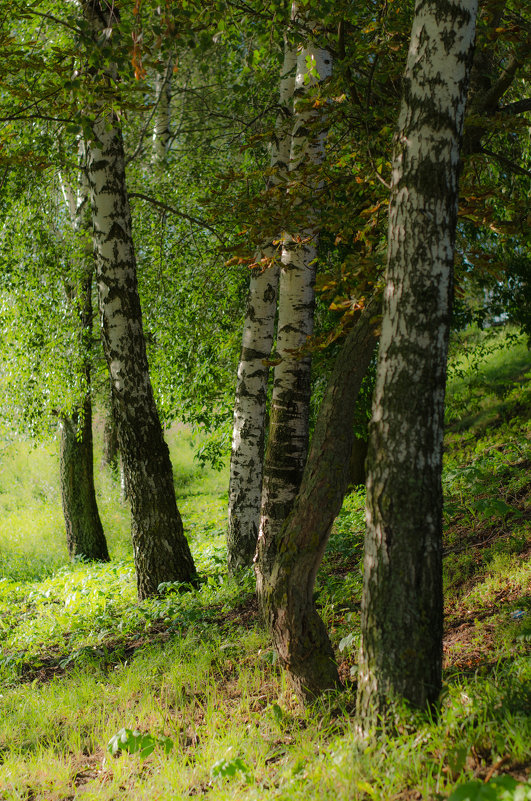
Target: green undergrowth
[(103, 697)]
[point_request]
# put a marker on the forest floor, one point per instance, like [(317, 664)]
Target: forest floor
[(105, 698)]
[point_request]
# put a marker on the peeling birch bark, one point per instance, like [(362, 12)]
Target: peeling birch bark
[(245, 485), (401, 650), (287, 444)]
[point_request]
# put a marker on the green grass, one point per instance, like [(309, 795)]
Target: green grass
[(81, 659)]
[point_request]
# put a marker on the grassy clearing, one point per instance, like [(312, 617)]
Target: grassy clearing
[(194, 675)]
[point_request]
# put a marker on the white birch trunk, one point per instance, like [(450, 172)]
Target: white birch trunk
[(160, 548), (401, 651), (289, 419), (162, 122), (245, 486)]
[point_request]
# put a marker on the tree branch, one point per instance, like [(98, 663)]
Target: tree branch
[(171, 210), (506, 162), (517, 107), (488, 104)]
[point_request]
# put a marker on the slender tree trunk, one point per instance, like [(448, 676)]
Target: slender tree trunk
[(84, 531), (401, 651), (111, 450), (245, 485), (160, 548), (357, 474), (162, 126), (123, 483), (287, 444), (110, 453), (287, 566)]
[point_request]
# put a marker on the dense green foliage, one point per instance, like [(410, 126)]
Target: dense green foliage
[(198, 221)]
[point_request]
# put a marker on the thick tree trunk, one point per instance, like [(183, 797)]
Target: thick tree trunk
[(287, 444), (287, 565), (84, 531), (160, 548), (401, 650), (245, 485)]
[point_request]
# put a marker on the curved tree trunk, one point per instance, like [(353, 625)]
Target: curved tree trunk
[(245, 485), (287, 565), (160, 547), (287, 444), (401, 651)]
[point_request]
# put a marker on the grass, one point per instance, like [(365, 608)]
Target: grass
[(193, 677)]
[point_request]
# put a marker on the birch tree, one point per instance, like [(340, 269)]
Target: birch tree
[(160, 548), (84, 530), (162, 121), (401, 650), (287, 444), (286, 569), (247, 453)]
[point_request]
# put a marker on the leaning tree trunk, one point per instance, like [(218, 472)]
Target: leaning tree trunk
[(287, 444), (287, 566), (401, 651), (160, 548), (245, 484)]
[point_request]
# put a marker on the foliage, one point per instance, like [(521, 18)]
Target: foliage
[(502, 788), (134, 742)]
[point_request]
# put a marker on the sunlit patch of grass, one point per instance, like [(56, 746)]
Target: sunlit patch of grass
[(488, 380), (31, 518)]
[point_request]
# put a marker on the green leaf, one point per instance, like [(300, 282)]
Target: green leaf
[(228, 768), (502, 788), (134, 742), (347, 642)]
